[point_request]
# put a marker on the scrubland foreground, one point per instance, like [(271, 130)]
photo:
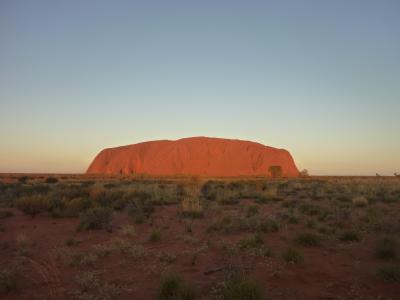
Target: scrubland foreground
[(75, 237)]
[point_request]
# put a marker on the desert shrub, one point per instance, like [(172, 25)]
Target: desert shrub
[(24, 244), (209, 190), (173, 287), (75, 190), (323, 214), (304, 173), (241, 288), (155, 235), (343, 198), (136, 213), (164, 197), (256, 224), (292, 256), (128, 230), (383, 194), (122, 246), (139, 204), (61, 208), (18, 190), (91, 286), (359, 201), (51, 180), (218, 191), (5, 213), (110, 185), (389, 273), (83, 259), (269, 225), (386, 248), (139, 218), (191, 208), (33, 205), (166, 257), (180, 190), (252, 210), (267, 194), (72, 242), (229, 201), (349, 236), (293, 219), (252, 241), (23, 179), (9, 278), (310, 224), (227, 197), (308, 239), (309, 209), (96, 218), (110, 199), (247, 190), (126, 247), (76, 205), (221, 225)]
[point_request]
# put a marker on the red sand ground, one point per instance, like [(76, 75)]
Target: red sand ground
[(328, 273), (194, 156)]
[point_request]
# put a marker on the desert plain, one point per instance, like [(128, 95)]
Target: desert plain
[(181, 237)]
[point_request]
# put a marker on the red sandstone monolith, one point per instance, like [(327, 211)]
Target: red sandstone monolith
[(201, 156)]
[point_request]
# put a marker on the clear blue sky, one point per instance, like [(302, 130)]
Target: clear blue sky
[(319, 78)]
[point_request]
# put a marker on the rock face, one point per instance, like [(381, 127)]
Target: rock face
[(194, 156)]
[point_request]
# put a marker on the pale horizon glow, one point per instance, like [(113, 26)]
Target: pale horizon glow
[(320, 79)]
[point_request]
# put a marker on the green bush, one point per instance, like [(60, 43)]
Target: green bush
[(209, 190), (23, 245), (310, 224), (155, 235), (269, 225), (9, 279), (96, 218), (309, 209), (33, 205), (228, 200), (173, 287), (252, 211), (109, 198), (292, 256), (389, 273), (240, 288), (72, 242), (70, 207), (139, 205), (191, 207), (191, 214), (5, 213), (386, 248), (349, 236), (308, 239), (252, 241)]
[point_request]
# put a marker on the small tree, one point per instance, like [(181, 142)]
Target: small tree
[(304, 173), (275, 171)]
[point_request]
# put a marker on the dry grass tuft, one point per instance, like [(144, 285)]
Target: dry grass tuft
[(360, 201)]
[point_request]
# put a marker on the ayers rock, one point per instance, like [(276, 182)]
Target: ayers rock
[(202, 156)]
